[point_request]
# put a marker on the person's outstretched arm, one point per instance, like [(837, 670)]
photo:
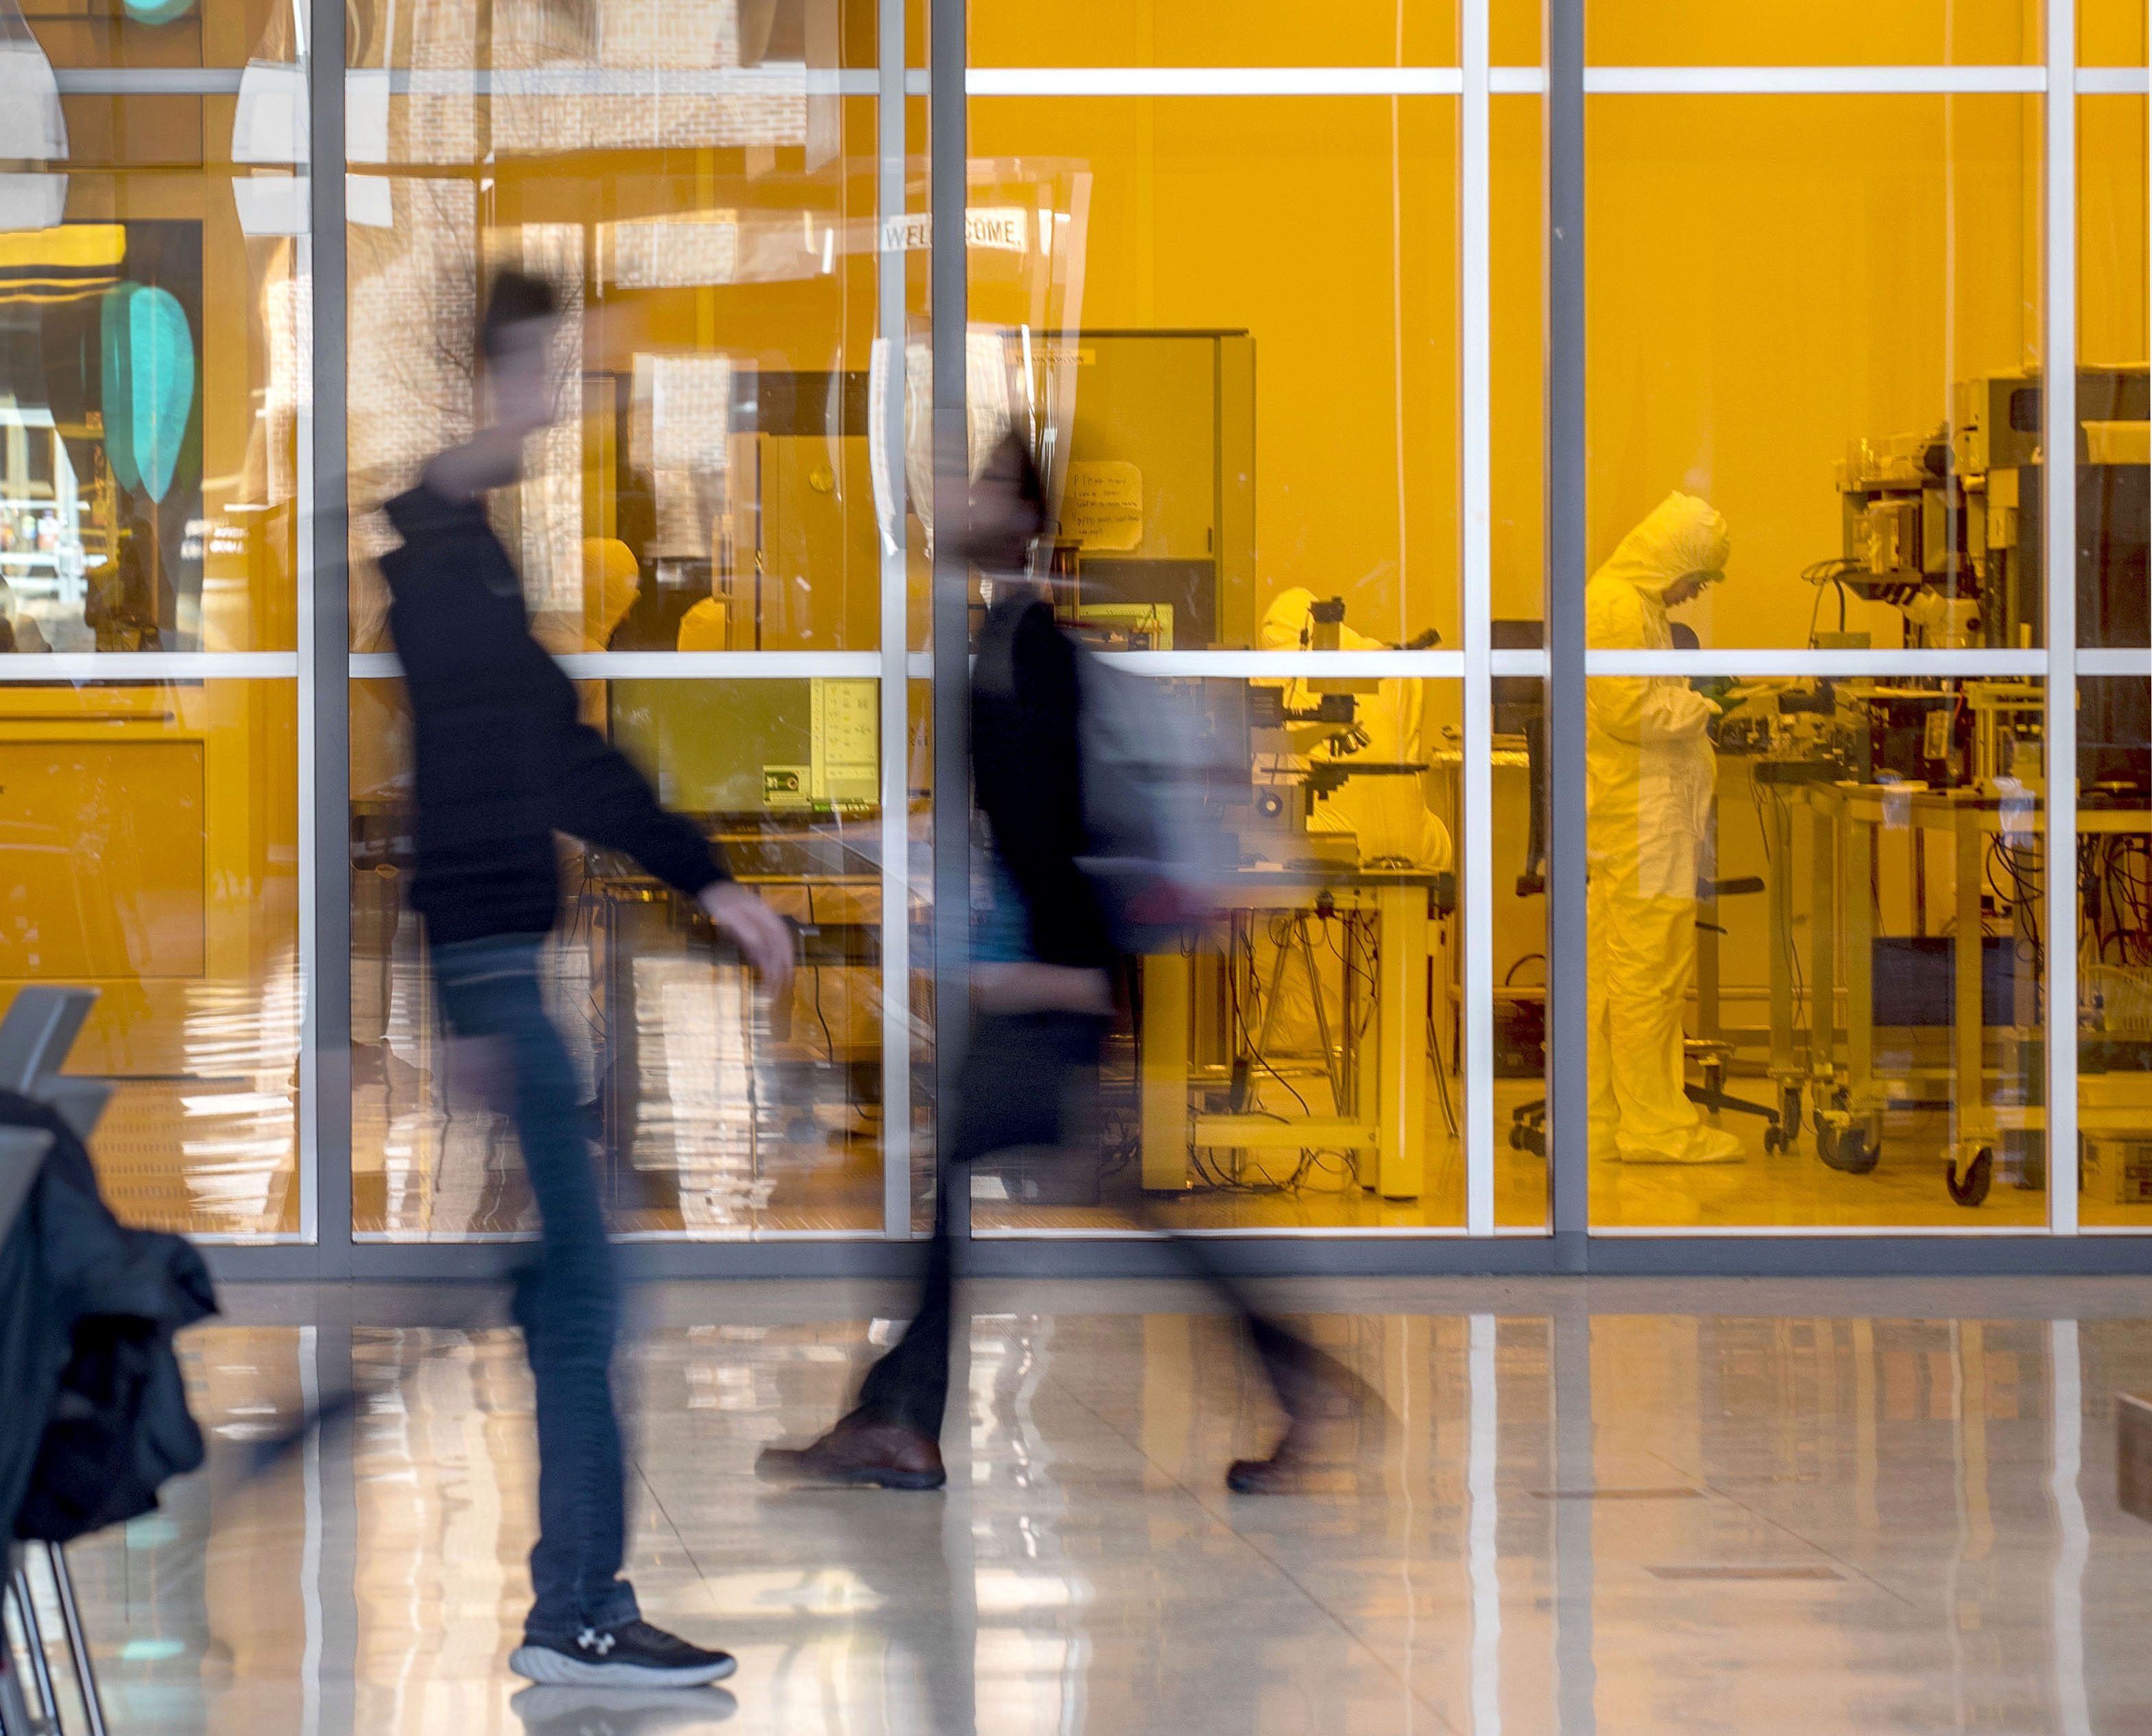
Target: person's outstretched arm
[(601, 797)]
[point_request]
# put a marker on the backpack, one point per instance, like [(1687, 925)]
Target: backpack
[(1143, 784)]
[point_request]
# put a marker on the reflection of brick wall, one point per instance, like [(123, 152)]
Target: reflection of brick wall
[(763, 106), (436, 126), (678, 426), (543, 520), (413, 296), (288, 319)]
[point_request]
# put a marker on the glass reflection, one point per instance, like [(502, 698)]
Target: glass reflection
[(718, 1113), (712, 223), (149, 845)]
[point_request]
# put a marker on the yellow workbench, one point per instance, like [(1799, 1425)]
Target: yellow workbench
[(1396, 1127)]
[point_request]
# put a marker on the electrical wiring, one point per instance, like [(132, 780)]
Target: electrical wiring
[(1829, 572), (1240, 1026)]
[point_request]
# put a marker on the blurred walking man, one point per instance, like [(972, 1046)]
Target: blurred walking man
[(1043, 1002), (503, 762)]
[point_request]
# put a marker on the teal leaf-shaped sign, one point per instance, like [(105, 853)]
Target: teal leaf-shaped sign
[(149, 385)]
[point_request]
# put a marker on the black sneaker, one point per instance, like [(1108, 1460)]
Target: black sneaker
[(632, 1655)]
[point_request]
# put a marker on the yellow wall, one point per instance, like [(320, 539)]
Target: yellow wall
[(1275, 216), (1769, 281), (1212, 33), (1811, 32), (2111, 237)]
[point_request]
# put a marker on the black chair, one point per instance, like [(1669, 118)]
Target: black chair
[(39, 1029)]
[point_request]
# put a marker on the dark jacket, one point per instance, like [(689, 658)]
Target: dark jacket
[(1028, 771), (95, 1407), (502, 760)]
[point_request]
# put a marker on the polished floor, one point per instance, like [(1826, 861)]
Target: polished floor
[(1618, 1505)]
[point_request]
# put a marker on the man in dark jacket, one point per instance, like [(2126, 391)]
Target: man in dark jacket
[(503, 763), (1043, 1001)]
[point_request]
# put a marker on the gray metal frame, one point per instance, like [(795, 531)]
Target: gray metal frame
[(948, 26), (1568, 1191), (328, 1001), (1569, 1246)]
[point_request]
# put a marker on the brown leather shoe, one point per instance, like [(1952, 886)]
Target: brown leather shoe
[(1337, 1423), (1295, 1469), (862, 1449)]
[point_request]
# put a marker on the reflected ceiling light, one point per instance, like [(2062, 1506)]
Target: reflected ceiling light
[(33, 129)]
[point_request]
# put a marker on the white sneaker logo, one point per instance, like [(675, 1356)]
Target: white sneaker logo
[(591, 1640)]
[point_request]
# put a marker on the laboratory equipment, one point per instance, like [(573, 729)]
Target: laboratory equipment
[(1155, 496), (1946, 526)]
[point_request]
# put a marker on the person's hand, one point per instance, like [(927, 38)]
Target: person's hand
[(1028, 986), (764, 937)]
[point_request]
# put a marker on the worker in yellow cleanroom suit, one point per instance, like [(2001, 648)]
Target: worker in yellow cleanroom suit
[(1648, 779)]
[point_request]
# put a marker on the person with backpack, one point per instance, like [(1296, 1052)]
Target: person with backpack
[(503, 761), (1070, 882)]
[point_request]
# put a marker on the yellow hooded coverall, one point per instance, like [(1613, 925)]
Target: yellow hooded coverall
[(1648, 770)]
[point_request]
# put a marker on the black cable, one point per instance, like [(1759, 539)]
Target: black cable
[(1241, 1024)]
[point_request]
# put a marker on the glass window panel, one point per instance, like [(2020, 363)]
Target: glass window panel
[(146, 33), (712, 488), (151, 355), (1513, 33), (919, 838), (2114, 448), (1516, 360), (2115, 951), (1828, 342), (1252, 1083), (2110, 33), (151, 302), (1212, 33), (1835, 32), (152, 855), (1832, 912), (1518, 887), (718, 1114), (1244, 431)]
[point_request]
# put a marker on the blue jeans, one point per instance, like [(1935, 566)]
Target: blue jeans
[(568, 1304)]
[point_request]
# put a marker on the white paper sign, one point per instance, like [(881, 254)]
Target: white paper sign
[(1102, 504)]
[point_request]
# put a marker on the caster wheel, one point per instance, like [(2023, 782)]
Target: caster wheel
[(1854, 1150), (1773, 1140), (1789, 1116), (1972, 1188), (1714, 1079), (1516, 1139)]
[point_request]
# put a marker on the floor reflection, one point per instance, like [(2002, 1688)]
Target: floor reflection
[(1707, 1506)]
